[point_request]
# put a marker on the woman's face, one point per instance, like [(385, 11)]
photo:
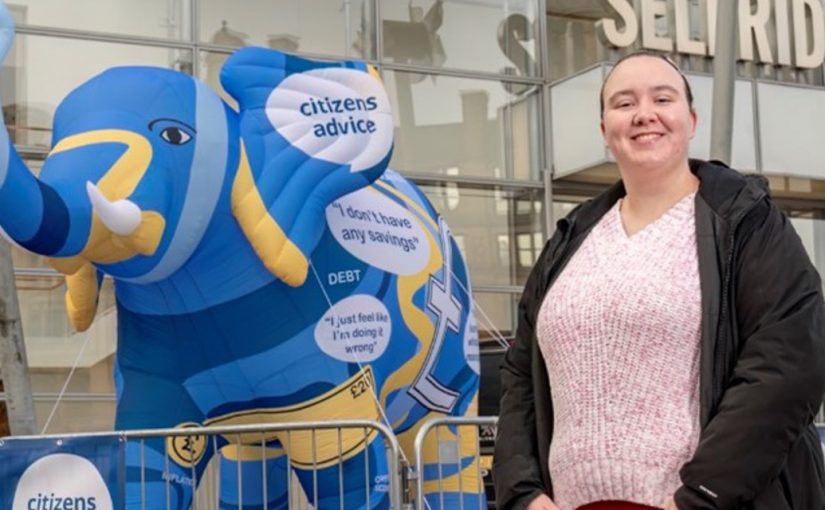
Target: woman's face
[(647, 122)]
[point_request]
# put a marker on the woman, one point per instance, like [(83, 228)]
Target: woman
[(681, 324)]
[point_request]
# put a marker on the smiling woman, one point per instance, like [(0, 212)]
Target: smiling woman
[(647, 122), (656, 311)]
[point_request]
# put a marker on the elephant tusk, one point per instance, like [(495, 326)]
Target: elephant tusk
[(121, 217)]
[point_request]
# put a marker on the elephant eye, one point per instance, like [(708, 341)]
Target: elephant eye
[(175, 136)]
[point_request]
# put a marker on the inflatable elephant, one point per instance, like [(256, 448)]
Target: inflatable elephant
[(267, 269)]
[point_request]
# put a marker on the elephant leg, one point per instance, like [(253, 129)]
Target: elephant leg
[(155, 481), (358, 482), (254, 477), (161, 472), (452, 473)]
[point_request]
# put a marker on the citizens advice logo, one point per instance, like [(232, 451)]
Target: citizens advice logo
[(342, 116), (62, 481)]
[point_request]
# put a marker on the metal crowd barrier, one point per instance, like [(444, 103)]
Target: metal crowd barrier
[(193, 439), (466, 436), (448, 452)]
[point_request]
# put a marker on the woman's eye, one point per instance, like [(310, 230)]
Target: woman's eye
[(175, 136)]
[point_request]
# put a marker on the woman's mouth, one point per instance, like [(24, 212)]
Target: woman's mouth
[(646, 137)]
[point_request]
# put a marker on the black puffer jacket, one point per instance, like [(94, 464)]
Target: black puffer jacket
[(762, 358)]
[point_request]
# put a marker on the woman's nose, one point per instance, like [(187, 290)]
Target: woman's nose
[(644, 114)]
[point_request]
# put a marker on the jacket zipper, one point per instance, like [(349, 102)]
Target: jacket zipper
[(720, 351)]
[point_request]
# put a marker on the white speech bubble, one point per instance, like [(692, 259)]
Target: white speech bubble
[(70, 479), (471, 353), (338, 115), (380, 232), (356, 329)]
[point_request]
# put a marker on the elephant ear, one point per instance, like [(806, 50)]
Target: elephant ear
[(311, 132)]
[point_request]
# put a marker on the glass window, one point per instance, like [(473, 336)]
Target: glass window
[(210, 73), (563, 206), (743, 142), (75, 414), (496, 317), (464, 127), (529, 248), (495, 37), (810, 225), (572, 43), (52, 345), (491, 237), (41, 71), (503, 249), (166, 19), (577, 141), (22, 259), (575, 41), (787, 188), (341, 28), (797, 151)]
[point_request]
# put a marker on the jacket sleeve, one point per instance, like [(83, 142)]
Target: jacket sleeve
[(516, 471), (778, 377)]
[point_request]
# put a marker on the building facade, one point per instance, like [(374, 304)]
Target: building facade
[(496, 115)]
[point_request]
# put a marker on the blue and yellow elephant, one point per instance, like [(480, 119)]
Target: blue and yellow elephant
[(267, 269)]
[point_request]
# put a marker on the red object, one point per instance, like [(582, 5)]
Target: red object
[(616, 505)]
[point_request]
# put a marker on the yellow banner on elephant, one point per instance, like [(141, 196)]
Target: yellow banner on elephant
[(314, 448)]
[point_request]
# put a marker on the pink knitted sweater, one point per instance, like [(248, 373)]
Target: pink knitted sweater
[(620, 334)]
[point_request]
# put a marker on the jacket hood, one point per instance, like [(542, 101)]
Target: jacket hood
[(727, 192)]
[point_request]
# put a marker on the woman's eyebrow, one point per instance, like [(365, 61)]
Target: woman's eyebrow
[(619, 93), (654, 89), (666, 88)]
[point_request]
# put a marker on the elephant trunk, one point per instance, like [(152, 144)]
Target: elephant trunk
[(55, 218), (33, 213), (77, 212)]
